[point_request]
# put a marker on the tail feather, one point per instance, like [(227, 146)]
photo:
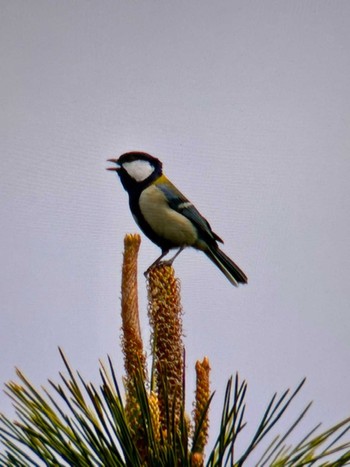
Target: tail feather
[(233, 273)]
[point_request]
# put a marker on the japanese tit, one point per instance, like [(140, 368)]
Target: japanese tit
[(166, 216)]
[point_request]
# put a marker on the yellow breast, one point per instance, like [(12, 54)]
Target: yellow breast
[(166, 222)]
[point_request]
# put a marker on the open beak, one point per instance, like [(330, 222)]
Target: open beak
[(114, 169)]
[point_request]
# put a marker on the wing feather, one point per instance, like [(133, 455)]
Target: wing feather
[(179, 203)]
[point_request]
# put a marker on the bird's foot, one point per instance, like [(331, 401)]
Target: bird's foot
[(167, 262)]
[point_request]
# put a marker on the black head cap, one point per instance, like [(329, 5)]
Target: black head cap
[(138, 176), (137, 156)]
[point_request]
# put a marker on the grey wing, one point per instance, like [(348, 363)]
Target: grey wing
[(181, 204)]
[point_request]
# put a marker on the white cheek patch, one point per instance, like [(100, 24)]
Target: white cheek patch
[(138, 170)]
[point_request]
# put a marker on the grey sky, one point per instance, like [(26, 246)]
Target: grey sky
[(247, 103)]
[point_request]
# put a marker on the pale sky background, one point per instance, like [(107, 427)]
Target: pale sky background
[(247, 104)]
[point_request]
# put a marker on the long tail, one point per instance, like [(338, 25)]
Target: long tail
[(233, 273)]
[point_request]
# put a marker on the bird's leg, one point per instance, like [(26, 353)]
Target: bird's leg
[(170, 261), (157, 261)]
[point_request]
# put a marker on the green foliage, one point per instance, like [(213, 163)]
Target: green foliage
[(79, 424)]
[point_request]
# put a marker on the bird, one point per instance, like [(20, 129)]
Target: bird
[(166, 216)]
